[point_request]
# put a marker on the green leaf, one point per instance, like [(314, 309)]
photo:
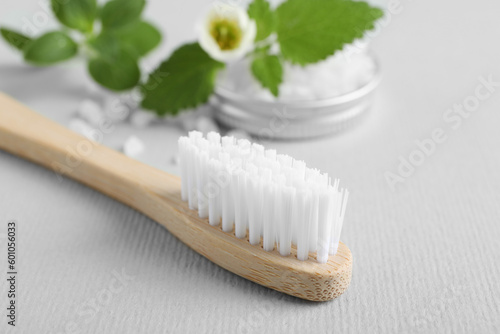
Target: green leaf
[(119, 13), (140, 38), (185, 80), (50, 48), (111, 65), (268, 70), (76, 14), (136, 40), (17, 40), (310, 31), (261, 12), (116, 73), (105, 44)]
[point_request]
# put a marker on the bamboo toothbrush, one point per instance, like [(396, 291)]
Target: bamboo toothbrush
[(258, 214)]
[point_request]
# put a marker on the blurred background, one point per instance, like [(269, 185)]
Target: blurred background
[(425, 246)]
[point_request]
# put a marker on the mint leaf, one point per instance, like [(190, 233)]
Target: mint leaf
[(117, 73), (136, 40), (119, 13), (310, 31), (17, 40), (140, 38), (111, 65), (76, 14), (260, 11), (183, 81), (268, 70), (105, 44), (50, 48)]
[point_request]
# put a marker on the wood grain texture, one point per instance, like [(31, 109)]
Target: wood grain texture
[(157, 195)]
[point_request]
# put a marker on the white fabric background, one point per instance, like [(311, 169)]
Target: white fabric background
[(426, 256)]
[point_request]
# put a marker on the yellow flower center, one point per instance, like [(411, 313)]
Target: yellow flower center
[(226, 32)]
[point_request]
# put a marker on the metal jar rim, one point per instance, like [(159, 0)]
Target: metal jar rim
[(300, 118)]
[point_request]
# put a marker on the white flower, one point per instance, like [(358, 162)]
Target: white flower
[(226, 33)]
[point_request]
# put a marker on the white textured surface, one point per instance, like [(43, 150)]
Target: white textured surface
[(426, 256)]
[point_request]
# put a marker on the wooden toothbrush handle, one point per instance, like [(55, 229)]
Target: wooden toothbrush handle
[(32, 136)]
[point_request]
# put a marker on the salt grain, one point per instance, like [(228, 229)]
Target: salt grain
[(90, 111), (141, 118), (188, 121), (175, 160), (205, 125), (133, 147), (81, 127), (115, 109)]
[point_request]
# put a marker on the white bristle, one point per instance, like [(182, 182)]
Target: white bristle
[(213, 193), (285, 160), (227, 199), (191, 152), (270, 197), (254, 209), (213, 138), (240, 204), (324, 226), (202, 172), (244, 144), (227, 141), (271, 154), (303, 223), (285, 226), (341, 205), (268, 237), (313, 227), (300, 167), (258, 150), (183, 156)]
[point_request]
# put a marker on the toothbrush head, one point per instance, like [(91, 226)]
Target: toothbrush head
[(274, 200)]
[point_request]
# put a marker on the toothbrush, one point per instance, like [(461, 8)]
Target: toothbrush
[(261, 215)]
